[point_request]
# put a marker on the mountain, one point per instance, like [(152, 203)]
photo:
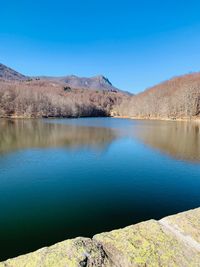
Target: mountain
[(94, 83), (177, 98), (7, 73), (35, 97), (98, 82)]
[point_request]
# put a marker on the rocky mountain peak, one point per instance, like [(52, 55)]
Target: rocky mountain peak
[(102, 79)]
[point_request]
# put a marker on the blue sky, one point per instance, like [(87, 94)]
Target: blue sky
[(136, 44)]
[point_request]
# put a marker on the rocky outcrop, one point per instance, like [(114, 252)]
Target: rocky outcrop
[(96, 83), (172, 241)]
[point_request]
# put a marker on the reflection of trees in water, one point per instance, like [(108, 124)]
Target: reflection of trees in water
[(178, 139), (20, 134)]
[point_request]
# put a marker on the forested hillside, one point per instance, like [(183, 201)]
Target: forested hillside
[(72, 96), (173, 99), (37, 98)]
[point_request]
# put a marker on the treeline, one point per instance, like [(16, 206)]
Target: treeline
[(176, 98), (36, 99), (173, 99)]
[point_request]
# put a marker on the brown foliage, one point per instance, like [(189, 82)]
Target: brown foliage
[(176, 98), (51, 99)]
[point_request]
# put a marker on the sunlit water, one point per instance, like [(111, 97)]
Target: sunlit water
[(77, 177)]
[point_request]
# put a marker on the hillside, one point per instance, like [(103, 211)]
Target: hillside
[(36, 99), (7, 73), (72, 96), (178, 98)]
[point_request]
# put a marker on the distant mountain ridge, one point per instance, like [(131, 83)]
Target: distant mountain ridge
[(23, 96), (99, 82), (7, 73)]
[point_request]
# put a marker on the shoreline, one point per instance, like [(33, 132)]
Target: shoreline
[(186, 119)]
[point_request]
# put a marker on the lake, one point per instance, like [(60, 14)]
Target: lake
[(62, 178)]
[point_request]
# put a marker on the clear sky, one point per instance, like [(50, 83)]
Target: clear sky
[(136, 44)]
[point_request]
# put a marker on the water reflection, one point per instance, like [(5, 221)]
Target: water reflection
[(178, 139), (22, 134), (47, 196)]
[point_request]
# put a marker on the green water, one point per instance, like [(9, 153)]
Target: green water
[(77, 177)]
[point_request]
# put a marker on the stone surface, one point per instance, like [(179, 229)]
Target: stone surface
[(172, 241), (70, 253), (147, 244), (187, 223)]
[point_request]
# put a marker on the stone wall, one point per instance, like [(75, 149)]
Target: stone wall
[(172, 241)]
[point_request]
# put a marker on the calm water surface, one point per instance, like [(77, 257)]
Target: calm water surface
[(65, 178)]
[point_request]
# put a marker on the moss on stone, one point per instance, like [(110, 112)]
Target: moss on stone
[(187, 222), (148, 243), (70, 253)]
